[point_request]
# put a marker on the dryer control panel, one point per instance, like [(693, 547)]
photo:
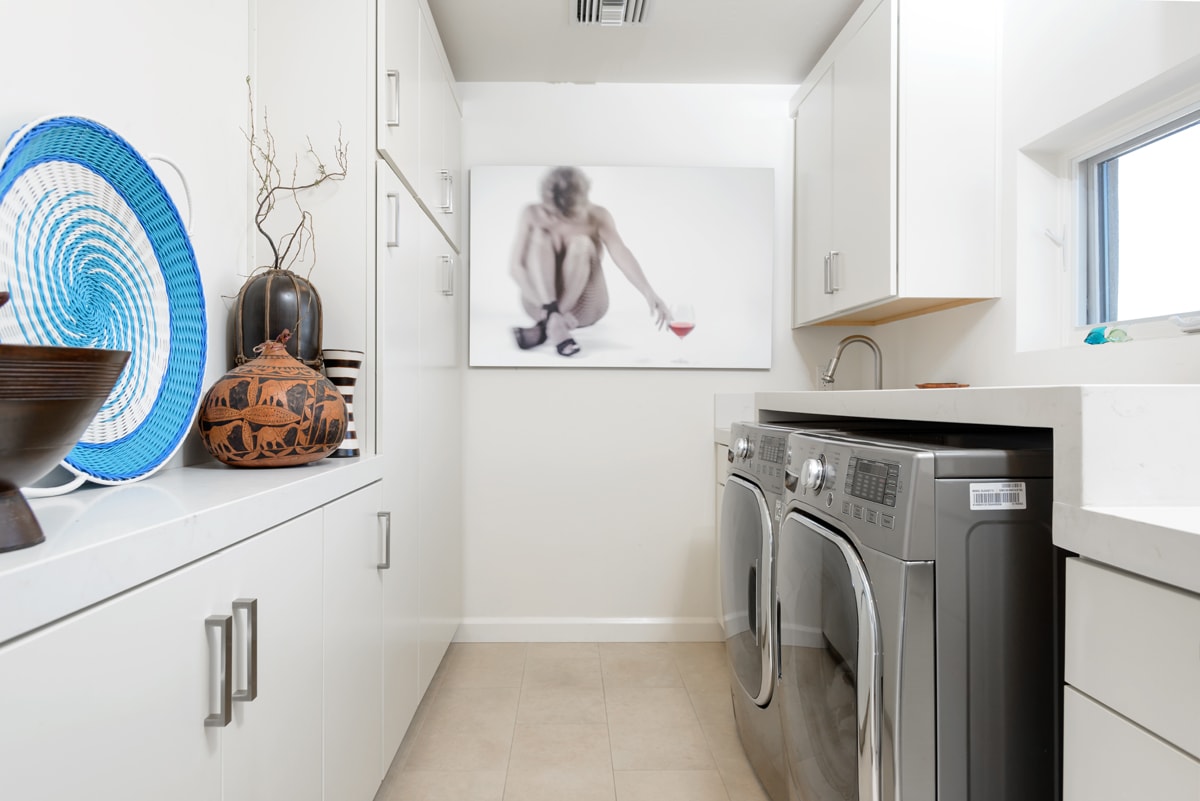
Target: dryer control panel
[(759, 452)]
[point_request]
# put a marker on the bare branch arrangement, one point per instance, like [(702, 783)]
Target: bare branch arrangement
[(300, 241)]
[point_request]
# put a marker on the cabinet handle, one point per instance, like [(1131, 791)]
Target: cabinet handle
[(219, 631), (835, 258), (828, 289), (447, 204), (248, 608), (386, 518), (393, 239), (393, 78), (447, 275)]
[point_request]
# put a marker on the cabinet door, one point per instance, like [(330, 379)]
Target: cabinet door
[(272, 748), (111, 703), (439, 444), (450, 214), (398, 430), (398, 33), (812, 291), (352, 647), (864, 175), (430, 183), (1107, 758)]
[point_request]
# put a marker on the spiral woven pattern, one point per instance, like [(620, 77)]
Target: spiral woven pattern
[(95, 254)]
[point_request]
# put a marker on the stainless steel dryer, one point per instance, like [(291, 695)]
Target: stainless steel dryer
[(919, 619), (751, 511)]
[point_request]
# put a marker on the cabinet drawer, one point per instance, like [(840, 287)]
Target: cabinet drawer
[(1134, 645), (1107, 758)]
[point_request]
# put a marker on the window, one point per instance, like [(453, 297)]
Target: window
[(1143, 226)]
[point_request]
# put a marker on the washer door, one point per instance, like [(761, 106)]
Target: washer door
[(747, 588), (830, 685)]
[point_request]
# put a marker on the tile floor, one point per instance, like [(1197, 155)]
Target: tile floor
[(575, 722)]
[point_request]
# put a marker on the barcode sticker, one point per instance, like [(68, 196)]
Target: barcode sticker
[(998, 495)]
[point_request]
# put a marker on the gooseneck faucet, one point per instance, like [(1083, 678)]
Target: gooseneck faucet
[(827, 375)]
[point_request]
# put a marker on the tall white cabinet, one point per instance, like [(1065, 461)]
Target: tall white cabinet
[(381, 72), (896, 168)]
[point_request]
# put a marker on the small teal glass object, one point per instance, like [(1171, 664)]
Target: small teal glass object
[(1097, 336)]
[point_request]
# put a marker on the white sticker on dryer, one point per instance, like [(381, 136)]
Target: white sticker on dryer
[(998, 495)]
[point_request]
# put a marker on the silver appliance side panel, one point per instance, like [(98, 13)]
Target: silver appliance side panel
[(998, 662)]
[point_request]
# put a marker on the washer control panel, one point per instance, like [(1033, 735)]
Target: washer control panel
[(760, 452), (861, 485)]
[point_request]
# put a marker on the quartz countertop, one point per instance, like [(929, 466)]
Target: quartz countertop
[(1125, 478), (101, 541)]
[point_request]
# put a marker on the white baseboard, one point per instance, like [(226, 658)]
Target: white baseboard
[(589, 629)]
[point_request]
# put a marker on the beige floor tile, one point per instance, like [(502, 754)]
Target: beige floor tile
[(474, 708), (649, 707), (714, 709), (563, 672), (484, 665), (639, 665), (725, 744), (560, 746), (459, 750), (446, 786), (563, 650), (740, 781), (562, 705), (698, 654), (670, 785), (673, 748), (549, 784)]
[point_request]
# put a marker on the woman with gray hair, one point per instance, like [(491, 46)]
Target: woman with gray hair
[(556, 263)]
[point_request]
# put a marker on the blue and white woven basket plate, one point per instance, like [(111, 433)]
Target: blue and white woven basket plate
[(95, 254)]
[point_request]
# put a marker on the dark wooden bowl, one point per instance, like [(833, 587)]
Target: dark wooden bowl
[(48, 396)]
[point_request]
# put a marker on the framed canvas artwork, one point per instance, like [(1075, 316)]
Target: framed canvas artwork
[(659, 267)]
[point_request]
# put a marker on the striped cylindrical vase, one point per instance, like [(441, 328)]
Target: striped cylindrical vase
[(341, 368)]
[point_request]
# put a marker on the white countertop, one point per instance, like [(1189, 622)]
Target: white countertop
[(101, 541), (1126, 488)]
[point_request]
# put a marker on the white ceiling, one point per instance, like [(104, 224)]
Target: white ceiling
[(682, 41)]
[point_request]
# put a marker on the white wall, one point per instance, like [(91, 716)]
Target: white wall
[(167, 76), (589, 493)]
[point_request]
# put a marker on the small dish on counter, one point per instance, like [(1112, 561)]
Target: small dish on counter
[(941, 386)]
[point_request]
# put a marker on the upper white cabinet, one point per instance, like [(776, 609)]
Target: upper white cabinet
[(419, 120), (895, 185), (399, 31)]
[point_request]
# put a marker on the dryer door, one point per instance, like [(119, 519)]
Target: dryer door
[(830, 685), (747, 588)]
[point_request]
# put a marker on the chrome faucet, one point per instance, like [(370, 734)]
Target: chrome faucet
[(827, 375)]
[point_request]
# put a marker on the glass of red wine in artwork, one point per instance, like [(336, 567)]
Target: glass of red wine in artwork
[(683, 321)]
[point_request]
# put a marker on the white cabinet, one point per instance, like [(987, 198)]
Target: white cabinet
[(272, 747), (419, 121), (896, 165), (439, 444), (399, 29), (354, 549), (398, 358), (112, 703), (1132, 666)]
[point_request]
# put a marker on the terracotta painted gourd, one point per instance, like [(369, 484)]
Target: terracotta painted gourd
[(272, 411)]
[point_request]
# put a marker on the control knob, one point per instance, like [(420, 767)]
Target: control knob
[(742, 449), (813, 473)]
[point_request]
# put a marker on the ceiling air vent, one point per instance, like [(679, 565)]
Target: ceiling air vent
[(611, 12)]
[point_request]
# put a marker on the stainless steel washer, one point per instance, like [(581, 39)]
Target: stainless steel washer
[(751, 511), (919, 616)]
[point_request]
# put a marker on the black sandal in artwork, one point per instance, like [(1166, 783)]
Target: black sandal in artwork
[(565, 347), (530, 337)]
